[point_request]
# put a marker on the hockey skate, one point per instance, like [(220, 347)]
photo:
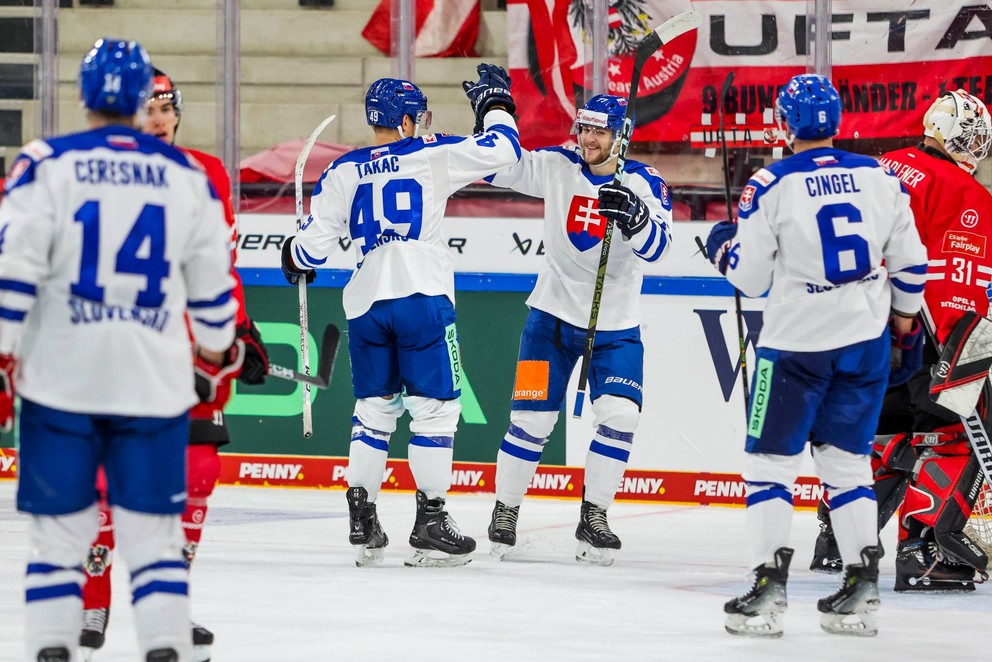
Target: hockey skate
[(366, 533), (435, 539), (203, 639), (503, 529), (851, 610), (758, 613), (920, 566), (60, 654), (93, 634), (596, 541)]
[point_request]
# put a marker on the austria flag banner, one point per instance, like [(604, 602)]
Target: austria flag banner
[(444, 28), (889, 64)]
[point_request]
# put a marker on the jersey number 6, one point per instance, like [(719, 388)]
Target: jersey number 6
[(846, 257)]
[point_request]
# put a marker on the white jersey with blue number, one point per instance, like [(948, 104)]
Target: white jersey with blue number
[(815, 228), (573, 234), (106, 238), (390, 201)]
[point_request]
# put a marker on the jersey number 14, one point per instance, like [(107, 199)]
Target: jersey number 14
[(149, 225)]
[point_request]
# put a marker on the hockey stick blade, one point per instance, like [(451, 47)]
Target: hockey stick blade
[(328, 354), (678, 25)]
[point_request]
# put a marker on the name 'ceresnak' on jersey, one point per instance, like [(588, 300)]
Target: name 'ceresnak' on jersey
[(573, 234), (390, 201), (107, 237), (815, 228)]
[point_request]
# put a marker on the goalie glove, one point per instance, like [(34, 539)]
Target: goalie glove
[(256, 363), (963, 368), (720, 247), (492, 89), (8, 365), (213, 382), (622, 206)]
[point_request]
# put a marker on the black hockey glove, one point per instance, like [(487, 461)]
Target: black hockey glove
[(289, 268), (622, 206), (493, 88), (719, 245), (256, 363)]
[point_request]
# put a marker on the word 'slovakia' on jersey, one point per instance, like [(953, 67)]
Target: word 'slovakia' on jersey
[(815, 228), (954, 218), (390, 201), (107, 237), (573, 234)]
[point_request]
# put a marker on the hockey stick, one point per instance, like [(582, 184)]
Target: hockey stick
[(325, 363), (301, 161), (742, 341), (661, 35), (978, 436)]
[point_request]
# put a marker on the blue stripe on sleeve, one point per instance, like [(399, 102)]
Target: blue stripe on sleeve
[(12, 315), (213, 303), (907, 287), (214, 325), (19, 286)]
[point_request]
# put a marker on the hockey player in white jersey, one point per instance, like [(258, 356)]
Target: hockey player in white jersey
[(579, 200), (108, 237), (389, 199), (815, 228)]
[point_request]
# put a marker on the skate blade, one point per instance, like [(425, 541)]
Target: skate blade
[(432, 558), (863, 624), (930, 585), (826, 567), (366, 556), (589, 555), (766, 626), (499, 549)]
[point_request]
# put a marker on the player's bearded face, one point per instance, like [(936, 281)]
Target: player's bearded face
[(595, 143), (161, 120)]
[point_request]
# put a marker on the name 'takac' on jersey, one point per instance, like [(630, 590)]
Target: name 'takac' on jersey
[(573, 234), (954, 218), (107, 237), (390, 201), (815, 228)]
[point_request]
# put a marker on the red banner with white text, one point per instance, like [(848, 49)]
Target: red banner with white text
[(890, 60)]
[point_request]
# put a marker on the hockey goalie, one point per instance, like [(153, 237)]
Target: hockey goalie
[(925, 466)]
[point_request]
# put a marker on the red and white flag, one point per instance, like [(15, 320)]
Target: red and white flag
[(444, 28)]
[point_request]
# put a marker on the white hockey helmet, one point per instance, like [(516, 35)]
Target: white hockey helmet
[(961, 124)]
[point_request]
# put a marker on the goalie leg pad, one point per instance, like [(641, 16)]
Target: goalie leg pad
[(964, 365)]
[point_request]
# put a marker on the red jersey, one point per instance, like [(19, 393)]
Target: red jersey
[(216, 173), (954, 218)]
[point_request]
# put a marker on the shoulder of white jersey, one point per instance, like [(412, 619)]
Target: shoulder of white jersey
[(659, 188), (115, 139), (570, 154)]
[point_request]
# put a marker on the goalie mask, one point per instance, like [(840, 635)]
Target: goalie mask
[(809, 108), (960, 123), (389, 100), (604, 112)]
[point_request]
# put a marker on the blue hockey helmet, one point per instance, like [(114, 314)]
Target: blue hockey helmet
[(115, 77), (389, 100), (810, 107), (605, 111)]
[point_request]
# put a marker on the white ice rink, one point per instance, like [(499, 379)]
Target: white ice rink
[(275, 580)]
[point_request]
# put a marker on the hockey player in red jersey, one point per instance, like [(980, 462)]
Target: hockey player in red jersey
[(208, 431), (924, 465)]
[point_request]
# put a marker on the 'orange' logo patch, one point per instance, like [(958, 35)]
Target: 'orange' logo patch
[(532, 381)]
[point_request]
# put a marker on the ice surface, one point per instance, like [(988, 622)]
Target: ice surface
[(275, 581)]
